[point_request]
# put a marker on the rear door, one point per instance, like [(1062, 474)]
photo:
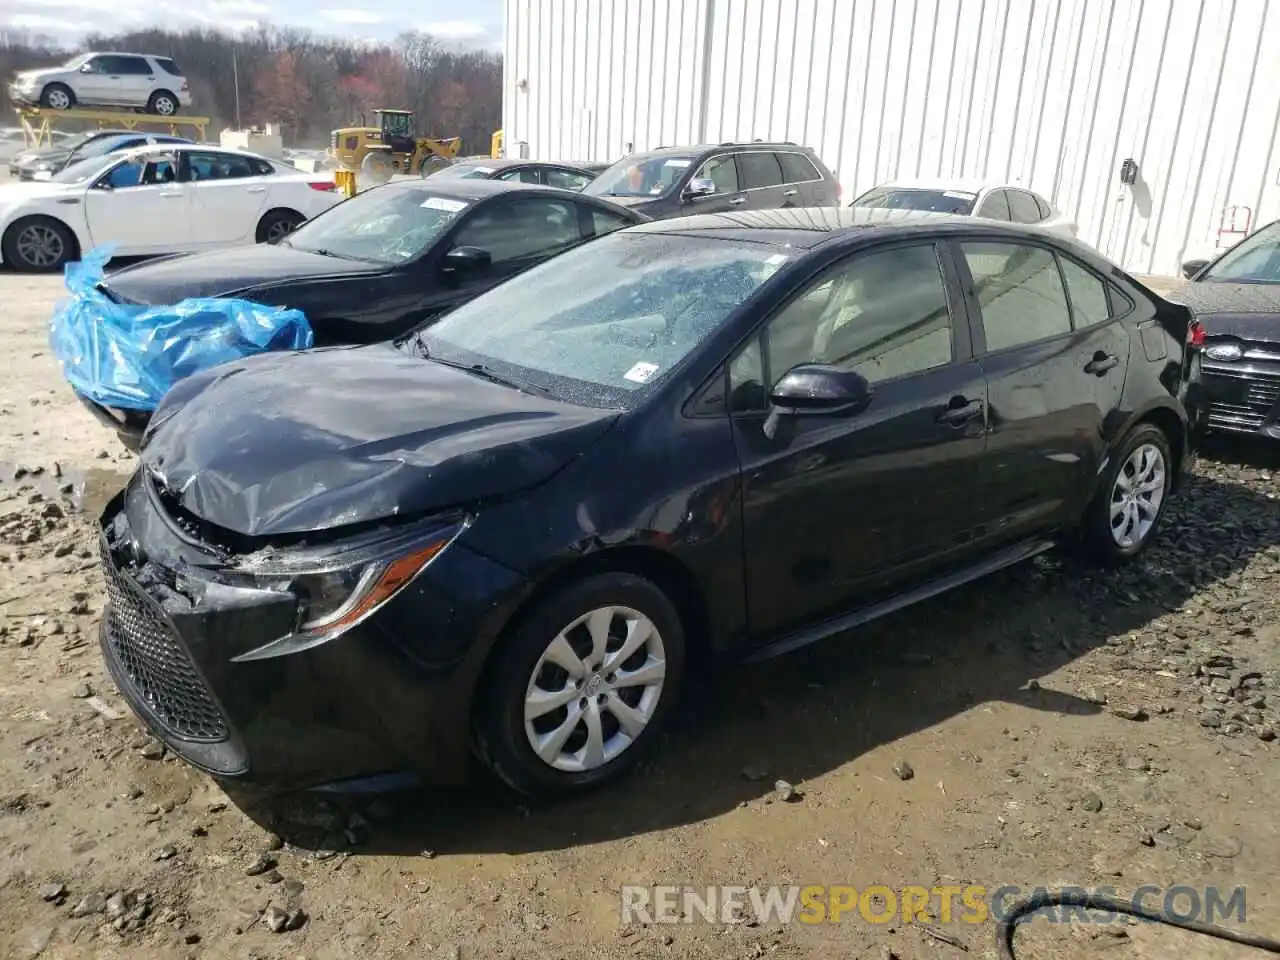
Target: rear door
[(228, 196), (803, 184), (136, 80), (1053, 378), (841, 507), (761, 179)]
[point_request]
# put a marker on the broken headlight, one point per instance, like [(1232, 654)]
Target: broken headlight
[(336, 589)]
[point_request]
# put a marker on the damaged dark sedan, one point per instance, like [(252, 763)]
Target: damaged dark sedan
[(1236, 303), (512, 534), (379, 264)]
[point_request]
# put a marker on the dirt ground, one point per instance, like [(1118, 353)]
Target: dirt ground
[(1063, 726)]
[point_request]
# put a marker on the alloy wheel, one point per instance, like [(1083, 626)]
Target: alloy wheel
[(278, 229), (1137, 495), (165, 107), (594, 689), (58, 99), (40, 245)]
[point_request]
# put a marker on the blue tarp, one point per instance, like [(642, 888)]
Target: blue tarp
[(129, 356)]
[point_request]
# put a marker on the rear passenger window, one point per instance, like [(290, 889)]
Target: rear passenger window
[(797, 168), (261, 167), (995, 207), (1088, 294), (603, 222), (1020, 292), (759, 170), (1022, 207)]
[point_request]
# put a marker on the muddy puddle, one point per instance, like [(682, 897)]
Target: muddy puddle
[(82, 490)]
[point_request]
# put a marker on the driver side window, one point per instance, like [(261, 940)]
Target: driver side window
[(148, 172), (517, 229), (722, 171), (882, 315)]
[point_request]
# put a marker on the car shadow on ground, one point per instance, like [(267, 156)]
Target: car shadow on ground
[(808, 713)]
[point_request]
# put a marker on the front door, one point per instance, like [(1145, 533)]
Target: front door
[(723, 172), (140, 206), (98, 82), (1048, 381), (838, 509)]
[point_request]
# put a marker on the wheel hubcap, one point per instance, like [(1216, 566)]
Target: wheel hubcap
[(1137, 496), (164, 106), (58, 100), (278, 230), (40, 246), (594, 689)]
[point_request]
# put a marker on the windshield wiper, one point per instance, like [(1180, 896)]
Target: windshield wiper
[(480, 370)]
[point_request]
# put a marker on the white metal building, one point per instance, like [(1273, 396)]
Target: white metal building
[(1051, 94)]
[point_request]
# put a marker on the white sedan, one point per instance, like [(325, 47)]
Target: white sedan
[(161, 198), (977, 198)]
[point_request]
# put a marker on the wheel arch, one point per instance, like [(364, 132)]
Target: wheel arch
[(676, 580), (270, 211), (1173, 426)]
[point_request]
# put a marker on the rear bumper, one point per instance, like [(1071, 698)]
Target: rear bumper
[(1239, 399)]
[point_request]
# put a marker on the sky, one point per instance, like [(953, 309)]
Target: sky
[(469, 22)]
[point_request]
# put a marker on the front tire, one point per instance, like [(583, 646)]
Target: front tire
[(1126, 512), (38, 245), (583, 690), (162, 103), (57, 96)]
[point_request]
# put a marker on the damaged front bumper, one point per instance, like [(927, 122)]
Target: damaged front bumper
[(191, 648)]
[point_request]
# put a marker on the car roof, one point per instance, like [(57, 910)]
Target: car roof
[(202, 147), (807, 227), (501, 163), (959, 184), (463, 188), (701, 148)]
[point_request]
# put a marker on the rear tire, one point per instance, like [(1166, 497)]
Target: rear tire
[(57, 96), (1126, 512), (38, 245), (609, 705), (278, 224), (162, 103)]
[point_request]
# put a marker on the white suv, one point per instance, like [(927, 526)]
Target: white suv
[(139, 81)]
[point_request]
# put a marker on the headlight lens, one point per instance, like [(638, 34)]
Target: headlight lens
[(1224, 351), (336, 590)]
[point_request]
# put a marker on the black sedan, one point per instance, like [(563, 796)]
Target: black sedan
[(726, 435), (568, 176), (1236, 303), (54, 157), (380, 263)]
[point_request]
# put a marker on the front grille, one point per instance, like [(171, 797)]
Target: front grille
[(1251, 407), (147, 652)]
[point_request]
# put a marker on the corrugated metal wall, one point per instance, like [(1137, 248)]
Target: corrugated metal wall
[(1052, 94)]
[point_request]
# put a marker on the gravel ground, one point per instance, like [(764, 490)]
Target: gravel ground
[(1051, 725)]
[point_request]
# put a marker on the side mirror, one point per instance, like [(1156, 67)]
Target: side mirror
[(699, 187), (464, 259), (103, 185), (86, 68), (1192, 267), (814, 388)]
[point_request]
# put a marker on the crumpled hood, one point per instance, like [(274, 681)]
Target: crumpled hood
[(288, 443), (1250, 311), (218, 273)]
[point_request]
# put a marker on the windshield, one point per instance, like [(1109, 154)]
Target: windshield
[(1255, 259), (640, 176), (603, 321), (935, 201), (100, 147), (80, 171), (76, 62), (388, 225), (464, 171)]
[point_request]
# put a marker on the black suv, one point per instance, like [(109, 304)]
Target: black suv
[(681, 181)]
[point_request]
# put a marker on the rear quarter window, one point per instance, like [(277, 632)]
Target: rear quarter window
[(797, 168), (169, 66)]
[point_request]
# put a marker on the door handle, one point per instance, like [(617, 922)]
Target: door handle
[(170, 194), (1101, 363), (790, 193), (255, 189), (737, 200), (960, 411)]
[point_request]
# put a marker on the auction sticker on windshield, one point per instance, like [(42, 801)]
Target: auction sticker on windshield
[(444, 203), (641, 373)]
